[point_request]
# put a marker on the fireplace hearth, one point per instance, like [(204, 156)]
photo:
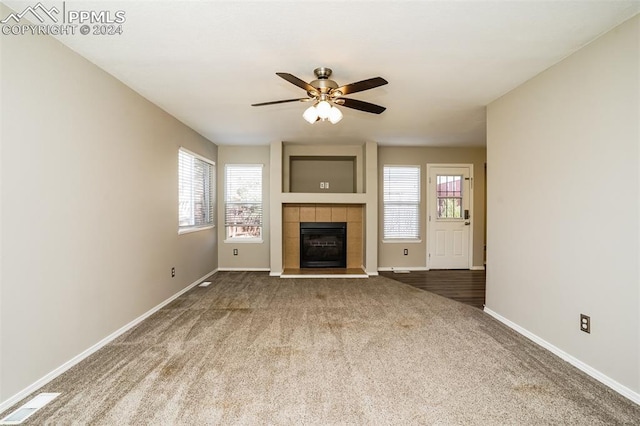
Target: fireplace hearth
[(323, 244)]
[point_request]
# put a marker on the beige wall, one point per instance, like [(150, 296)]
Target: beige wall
[(325, 151), (392, 254), (251, 255), (563, 215), (311, 175), (89, 208)]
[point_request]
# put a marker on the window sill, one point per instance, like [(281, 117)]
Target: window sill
[(244, 240), (403, 241), (194, 229)]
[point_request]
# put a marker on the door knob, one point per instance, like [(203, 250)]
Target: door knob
[(467, 223)]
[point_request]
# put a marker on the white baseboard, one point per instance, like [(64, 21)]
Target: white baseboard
[(418, 268), (274, 274), (76, 359), (602, 378), (402, 268), (244, 269)]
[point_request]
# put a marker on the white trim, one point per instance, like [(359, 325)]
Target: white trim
[(369, 273), (402, 241), (91, 350), (419, 268), (402, 268), (190, 229), (244, 269), (275, 274), (602, 378)]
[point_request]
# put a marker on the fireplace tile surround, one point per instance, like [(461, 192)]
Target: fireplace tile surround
[(293, 214)]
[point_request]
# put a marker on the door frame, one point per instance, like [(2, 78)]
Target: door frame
[(428, 215)]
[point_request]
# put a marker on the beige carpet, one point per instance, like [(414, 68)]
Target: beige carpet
[(253, 349)]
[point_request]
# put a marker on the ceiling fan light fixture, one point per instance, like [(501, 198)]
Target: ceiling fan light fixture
[(335, 115), (323, 108), (326, 95), (310, 114)]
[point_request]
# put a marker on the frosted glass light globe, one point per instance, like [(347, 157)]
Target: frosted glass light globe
[(323, 108), (335, 115), (310, 114)]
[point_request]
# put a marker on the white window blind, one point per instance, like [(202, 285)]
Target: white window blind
[(196, 191), (401, 186), (243, 200)]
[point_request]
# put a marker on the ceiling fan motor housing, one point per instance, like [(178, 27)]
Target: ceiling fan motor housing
[(323, 84)]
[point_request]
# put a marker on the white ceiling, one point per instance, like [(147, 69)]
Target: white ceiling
[(205, 62)]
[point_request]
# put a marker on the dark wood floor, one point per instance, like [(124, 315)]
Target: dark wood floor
[(461, 285)]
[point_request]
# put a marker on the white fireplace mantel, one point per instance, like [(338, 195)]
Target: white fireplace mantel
[(294, 197)]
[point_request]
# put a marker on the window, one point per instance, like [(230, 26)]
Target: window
[(401, 187), (243, 201), (449, 197), (196, 199), (196, 184)]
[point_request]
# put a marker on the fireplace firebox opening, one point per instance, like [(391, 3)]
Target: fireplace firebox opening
[(323, 244)]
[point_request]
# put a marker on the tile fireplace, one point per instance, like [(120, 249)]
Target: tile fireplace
[(295, 215)]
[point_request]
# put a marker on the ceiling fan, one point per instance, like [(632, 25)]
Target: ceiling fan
[(326, 93)]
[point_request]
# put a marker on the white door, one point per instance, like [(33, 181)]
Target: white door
[(449, 216)]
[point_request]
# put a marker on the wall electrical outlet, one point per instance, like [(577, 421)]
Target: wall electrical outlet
[(326, 185), (173, 272), (585, 323), (406, 252), (235, 252), (321, 185)]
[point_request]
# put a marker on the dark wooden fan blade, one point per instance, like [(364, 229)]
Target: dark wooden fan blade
[(281, 102), (361, 105), (362, 85), (295, 80)]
